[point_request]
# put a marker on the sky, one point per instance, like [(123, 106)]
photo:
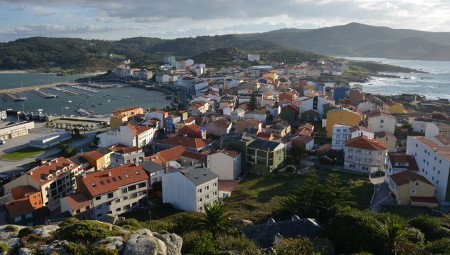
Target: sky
[(114, 19)]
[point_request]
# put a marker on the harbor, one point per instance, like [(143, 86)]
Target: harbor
[(44, 94)]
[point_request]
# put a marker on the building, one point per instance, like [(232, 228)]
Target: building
[(15, 130), (342, 116), (317, 104), (394, 108), (177, 157), (366, 106), (154, 170), (401, 162), (126, 155), (3, 115), (340, 92), (218, 127), (365, 155), (54, 179), (253, 57), (342, 133), (189, 143), (99, 159), (410, 188), (159, 115), (248, 125), (226, 164), (226, 187), (122, 115), (265, 156), (433, 159), (50, 140), (426, 127), (380, 121), (129, 135), (387, 138), (305, 142), (79, 205), (280, 129), (116, 190), (190, 189)]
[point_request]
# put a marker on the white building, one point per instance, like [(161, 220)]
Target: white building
[(130, 135), (426, 127), (253, 57), (317, 104), (15, 130), (401, 162), (342, 133), (365, 155), (379, 121), (226, 164), (433, 159), (2, 115), (190, 189), (366, 106)]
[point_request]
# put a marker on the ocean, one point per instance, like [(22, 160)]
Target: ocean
[(103, 102), (434, 84)]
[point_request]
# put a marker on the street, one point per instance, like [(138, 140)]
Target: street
[(381, 195)]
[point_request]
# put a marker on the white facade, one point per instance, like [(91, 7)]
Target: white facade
[(433, 160), (366, 106), (124, 135), (342, 133), (364, 160), (382, 122), (183, 194), (316, 104), (253, 57), (224, 165), (428, 128), (2, 115)]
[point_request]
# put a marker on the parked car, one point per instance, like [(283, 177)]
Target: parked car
[(2, 141)]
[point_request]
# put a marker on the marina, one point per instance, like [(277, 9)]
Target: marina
[(44, 95)]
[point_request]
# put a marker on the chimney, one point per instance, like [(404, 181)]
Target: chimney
[(83, 175), (109, 173)]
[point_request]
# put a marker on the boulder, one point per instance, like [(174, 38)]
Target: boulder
[(56, 246), (111, 219), (25, 251), (173, 242), (112, 242), (45, 230), (144, 245)]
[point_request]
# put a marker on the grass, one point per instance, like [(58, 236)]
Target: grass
[(407, 211), (22, 154)]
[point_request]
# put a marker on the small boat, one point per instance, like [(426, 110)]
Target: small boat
[(99, 103), (108, 101), (70, 101)]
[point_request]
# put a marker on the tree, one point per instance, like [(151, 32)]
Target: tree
[(217, 219), (308, 198), (295, 246), (337, 194), (401, 239), (68, 151), (76, 132), (253, 103)]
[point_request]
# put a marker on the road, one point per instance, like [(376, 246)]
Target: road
[(381, 195)]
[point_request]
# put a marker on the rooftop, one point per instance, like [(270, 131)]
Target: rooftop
[(198, 176), (407, 177), (365, 143), (52, 169)]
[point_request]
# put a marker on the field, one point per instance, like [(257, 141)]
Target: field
[(22, 154)]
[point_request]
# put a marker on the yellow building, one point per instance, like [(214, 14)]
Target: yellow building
[(394, 108), (410, 188), (121, 116), (99, 159), (342, 116), (271, 76)]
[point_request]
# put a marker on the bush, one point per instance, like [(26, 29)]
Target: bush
[(24, 232), (204, 244), (103, 250), (432, 227), (441, 246), (11, 228), (84, 231), (295, 246), (75, 248), (130, 224), (238, 244), (3, 247)]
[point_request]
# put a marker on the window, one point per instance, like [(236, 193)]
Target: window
[(417, 183), (117, 200), (98, 198), (99, 215), (118, 209), (413, 192), (124, 190), (99, 207), (110, 195), (142, 184)]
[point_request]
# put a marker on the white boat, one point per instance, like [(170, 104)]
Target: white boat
[(70, 101)]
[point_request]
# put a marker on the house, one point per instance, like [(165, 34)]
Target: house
[(171, 120), (271, 233), (79, 205), (198, 107), (317, 104), (154, 170), (237, 114), (218, 127), (129, 135), (387, 138), (265, 156), (342, 116), (410, 188), (280, 129), (433, 159), (54, 179), (99, 159), (306, 142), (340, 92), (22, 205), (401, 162), (115, 191), (176, 157), (365, 155), (125, 155), (189, 143), (425, 126), (355, 96), (379, 121), (253, 57), (342, 133), (305, 130), (290, 112), (190, 189), (394, 108), (158, 114), (122, 115), (193, 130), (366, 106), (259, 115), (248, 125), (226, 187), (226, 164)]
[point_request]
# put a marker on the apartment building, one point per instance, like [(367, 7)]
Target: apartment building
[(225, 163), (126, 155), (342, 133), (380, 121), (116, 190), (265, 156), (366, 155), (190, 189), (433, 159)]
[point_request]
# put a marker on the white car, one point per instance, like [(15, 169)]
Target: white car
[(2, 141)]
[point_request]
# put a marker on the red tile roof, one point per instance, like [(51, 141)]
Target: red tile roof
[(93, 155), (19, 207), (230, 153), (376, 113), (395, 158), (191, 131), (227, 185), (301, 140), (407, 177), (108, 180), (426, 200), (174, 153), (189, 142), (78, 201), (324, 148), (365, 143), (48, 171), (137, 129), (23, 191), (123, 149)]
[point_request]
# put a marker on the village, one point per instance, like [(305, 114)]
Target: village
[(231, 124)]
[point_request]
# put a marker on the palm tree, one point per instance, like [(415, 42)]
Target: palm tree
[(400, 238), (217, 219)]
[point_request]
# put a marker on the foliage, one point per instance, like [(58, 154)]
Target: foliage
[(432, 227), (24, 231), (295, 246), (103, 250), (68, 151), (130, 224), (75, 248), (22, 154), (238, 244), (11, 228), (253, 103), (441, 246), (3, 247), (217, 219), (204, 245), (399, 238), (84, 231)]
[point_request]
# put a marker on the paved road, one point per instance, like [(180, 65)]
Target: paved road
[(381, 197), (22, 141)]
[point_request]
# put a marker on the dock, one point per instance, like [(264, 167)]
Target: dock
[(44, 95), (33, 88), (12, 97), (65, 91)]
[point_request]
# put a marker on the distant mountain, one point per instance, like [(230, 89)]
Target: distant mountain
[(361, 40)]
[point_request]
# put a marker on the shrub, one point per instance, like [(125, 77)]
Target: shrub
[(11, 228), (84, 231), (24, 232), (238, 244), (75, 248), (295, 246), (440, 246), (432, 227), (103, 250), (204, 245), (130, 224), (3, 247)]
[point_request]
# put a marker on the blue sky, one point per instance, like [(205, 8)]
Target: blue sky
[(114, 19)]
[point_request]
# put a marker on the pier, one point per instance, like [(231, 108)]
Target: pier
[(36, 87), (12, 97), (65, 91), (43, 94)]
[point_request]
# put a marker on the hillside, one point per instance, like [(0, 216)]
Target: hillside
[(361, 40)]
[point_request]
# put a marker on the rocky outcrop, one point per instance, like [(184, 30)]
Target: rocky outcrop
[(173, 242), (112, 242)]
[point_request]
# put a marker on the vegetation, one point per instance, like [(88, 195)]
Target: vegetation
[(295, 246), (68, 151), (217, 219), (22, 154), (11, 228), (84, 231), (3, 248)]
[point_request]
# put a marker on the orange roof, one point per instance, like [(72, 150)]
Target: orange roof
[(230, 153), (123, 110), (47, 172), (324, 148), (137, 129), (19, 207), (190, 142), (123, 149), (78, 201), (227, 185), (108, 180), (93, 155), (395, 158), (301, 140), (365, 143), (190, 130), (376, 113), (174, 153), (427, 200), (407, 177), (23, 191)]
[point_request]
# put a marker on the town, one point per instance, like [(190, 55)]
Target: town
[(272, 124)]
